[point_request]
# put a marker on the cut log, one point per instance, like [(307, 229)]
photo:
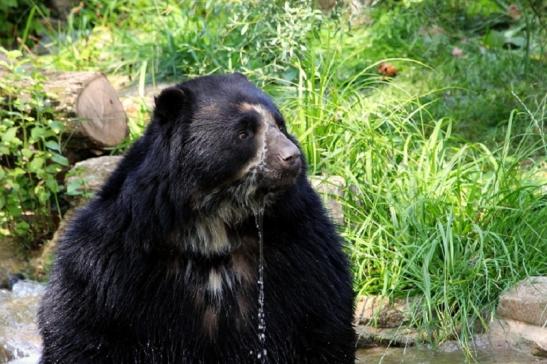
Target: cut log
[(92, 105)]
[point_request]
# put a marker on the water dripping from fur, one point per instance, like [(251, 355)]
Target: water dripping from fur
[(262, 351)]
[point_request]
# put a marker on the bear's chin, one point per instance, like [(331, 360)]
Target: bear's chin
[(280, 181), (279, 186)]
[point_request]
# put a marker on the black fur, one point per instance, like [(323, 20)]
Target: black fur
[(127, 285)]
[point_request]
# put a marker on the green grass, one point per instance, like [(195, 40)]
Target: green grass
[(453, 223), (427, 213), (445, 163)]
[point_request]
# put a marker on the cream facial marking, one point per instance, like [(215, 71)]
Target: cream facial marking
[(266, 116), (266, 121)]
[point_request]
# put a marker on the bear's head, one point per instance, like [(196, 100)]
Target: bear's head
[(228, 140)]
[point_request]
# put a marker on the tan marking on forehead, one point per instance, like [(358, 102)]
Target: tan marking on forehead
[(245, 106), (207, 110), (261, 110), (210, 107)]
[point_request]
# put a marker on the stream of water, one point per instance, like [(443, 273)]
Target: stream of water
[(18, 334), (262, 351)]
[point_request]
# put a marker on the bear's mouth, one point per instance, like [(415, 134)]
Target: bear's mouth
[(257, 188), (281, 180)]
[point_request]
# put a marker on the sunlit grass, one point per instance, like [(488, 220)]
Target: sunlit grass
[(427, 214)]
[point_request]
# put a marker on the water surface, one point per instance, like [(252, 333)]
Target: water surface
[(413, 355)]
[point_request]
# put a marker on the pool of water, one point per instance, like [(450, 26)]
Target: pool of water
[(19, 339), (426, 356), (409, 356)]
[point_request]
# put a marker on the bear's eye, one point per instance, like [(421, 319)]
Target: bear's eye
[(244, 134), (280, 124)]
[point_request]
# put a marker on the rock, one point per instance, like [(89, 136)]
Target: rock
[(119, 82), (521, 321), (82, 181), (148, 92), (87, 176), (399, 337), (381, 313), (12, 263), (388, 319), (19, 335), (450, 346), (517, 335), (332, 190), (359, 12), (477, 342), (137, 108), (526, 302)]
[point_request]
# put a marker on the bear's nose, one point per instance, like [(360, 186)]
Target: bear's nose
[(290, 155)]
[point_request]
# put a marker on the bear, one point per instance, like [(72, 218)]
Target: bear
[(206, 244)]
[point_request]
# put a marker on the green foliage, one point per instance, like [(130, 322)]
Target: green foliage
[(269, 40), (427, 214), (189, 38), (30, 154), (20, 19), (500, 56), (455, 224)]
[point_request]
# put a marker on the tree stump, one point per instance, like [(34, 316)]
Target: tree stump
[(92, 106)]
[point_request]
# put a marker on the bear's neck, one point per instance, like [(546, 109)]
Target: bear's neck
[(210, 236)]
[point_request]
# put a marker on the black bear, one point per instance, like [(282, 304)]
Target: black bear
[(163, 264)]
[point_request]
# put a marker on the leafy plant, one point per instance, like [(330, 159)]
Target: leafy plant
[(30, 154), (428, 214), (19, 21), (188, 38)]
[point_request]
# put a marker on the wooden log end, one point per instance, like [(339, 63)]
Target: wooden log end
[(103, 119)]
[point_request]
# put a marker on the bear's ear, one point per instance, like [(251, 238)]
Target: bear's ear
[(172, 103), (240, 75)]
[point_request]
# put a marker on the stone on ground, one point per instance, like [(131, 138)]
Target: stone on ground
[(12, 262), (381, 313), (331, 189), (521, 321), (87, 176), (526, 302), (381, 322)]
